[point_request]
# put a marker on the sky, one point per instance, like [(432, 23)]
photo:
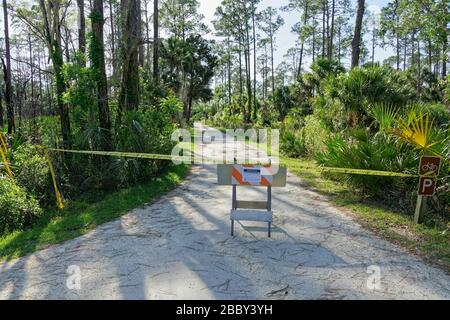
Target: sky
[(285, 38)]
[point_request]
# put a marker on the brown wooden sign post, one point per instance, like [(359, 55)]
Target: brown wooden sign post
[(428, 170)]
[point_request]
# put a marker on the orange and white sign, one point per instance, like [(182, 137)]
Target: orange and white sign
[(251, 175)]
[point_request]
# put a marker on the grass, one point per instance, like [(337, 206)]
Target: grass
[(82, 216), (430, 240)]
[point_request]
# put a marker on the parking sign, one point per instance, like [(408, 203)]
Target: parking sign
[(427, 186)]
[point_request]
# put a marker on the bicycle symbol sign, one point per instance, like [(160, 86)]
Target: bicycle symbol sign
[(429, 165)]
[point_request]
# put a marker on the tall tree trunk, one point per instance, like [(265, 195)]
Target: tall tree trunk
[(300, 62), (430, 55), (397, 36), (240, 68), (7, 73), (356, 43), (129, 91), (147, 34), (314, 40), (437, 64), (305, 21), (373, 44), (263, 75), (339, 44), (419, 67), (81, 27), (53, 35), (32, 104), (445, 44), (98, 65), (254, 61), (266, 70), (40, 95), (155, 41), (113, 40), (444, 59), (405, 46), (18, 97), (272, 65), (333, 13), (248, 72), (248, 111), (324, 37), (229, 71), (189, 107), (141, 45), (66, 43)]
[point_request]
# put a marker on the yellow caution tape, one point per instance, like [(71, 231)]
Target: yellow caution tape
[(2, 143), (354, 171), (59, 199), (3, 151), (295, 166), (153, 156)]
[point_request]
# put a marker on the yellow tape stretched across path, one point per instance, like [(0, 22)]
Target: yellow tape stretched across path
[(353, 171), (155, 156)]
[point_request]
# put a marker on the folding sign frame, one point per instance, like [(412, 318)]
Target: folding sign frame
[(251, 176)]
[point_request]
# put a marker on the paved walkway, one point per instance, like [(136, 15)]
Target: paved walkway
[(180, 248)]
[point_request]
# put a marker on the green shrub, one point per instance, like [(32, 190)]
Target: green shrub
[(315, 134), (268, 115), (282, 101), (172, 107), (17, 209), (439, 113), (228, 119), (445, 84), (361, 88), (371, 152), (292, 143), (32, 171), (143, 131)]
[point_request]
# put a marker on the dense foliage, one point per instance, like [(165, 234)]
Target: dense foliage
[(90, 76), (359, 119), (17, 208)]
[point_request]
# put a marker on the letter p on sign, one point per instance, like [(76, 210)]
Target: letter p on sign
[(427, 186)]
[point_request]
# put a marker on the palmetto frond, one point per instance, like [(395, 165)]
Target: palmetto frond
[(386, 116), (417, 130)]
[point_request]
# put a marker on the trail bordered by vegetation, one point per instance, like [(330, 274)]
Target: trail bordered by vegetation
[(94, 77), (180, 248)]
